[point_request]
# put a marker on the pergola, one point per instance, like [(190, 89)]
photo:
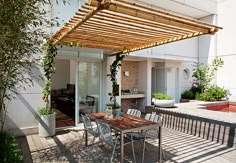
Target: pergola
[(124, 27)]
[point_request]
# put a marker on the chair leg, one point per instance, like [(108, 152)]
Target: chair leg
[(132, 143), (83, 137), (144, 140), (114, 148), (163, 155), (93, 141)]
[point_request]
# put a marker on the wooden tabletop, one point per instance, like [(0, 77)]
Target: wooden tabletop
[(126, 123)]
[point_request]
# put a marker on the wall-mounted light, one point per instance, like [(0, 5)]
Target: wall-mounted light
[(126, 73)]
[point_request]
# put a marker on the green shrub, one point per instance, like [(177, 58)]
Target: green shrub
[(187, 95), (214, 93), (9, 151), (161, 96)]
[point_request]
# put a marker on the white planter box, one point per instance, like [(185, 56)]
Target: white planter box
[(163, 103), (47, 125)]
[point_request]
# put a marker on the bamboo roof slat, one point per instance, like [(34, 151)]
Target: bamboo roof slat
[(137, 20), (123, 27), (179, 17), (129, 22)]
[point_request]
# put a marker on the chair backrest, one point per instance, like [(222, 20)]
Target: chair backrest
[(87, 124), (134, 112), (105, 133), (153, 117)]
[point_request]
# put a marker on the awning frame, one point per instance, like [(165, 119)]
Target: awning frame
[(124, 27)]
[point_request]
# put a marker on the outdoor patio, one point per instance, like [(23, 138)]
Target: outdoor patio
[(67, 146)]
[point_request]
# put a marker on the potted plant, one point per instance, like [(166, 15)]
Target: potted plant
[(187, 95), (47, 121), (162, 100), (47, 116), (114, 105)]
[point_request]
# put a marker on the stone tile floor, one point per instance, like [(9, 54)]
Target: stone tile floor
[(68, 146)]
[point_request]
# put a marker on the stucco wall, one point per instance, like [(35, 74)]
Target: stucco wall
[(226, 48), (22, 109), (61, 77)]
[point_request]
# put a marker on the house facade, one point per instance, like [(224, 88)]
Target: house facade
[(82, 72)]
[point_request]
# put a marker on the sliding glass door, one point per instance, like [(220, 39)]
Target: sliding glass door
[(88, 87)]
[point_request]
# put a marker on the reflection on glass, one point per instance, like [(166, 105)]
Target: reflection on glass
[(89, 87)]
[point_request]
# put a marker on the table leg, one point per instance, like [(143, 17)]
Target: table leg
[(160, 141), (86, 138), (121, 147)]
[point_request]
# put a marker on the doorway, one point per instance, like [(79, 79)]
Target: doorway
[(159, 80)]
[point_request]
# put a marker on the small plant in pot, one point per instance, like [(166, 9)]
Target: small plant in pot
[(115, 106), (187, 95), (162, 100)]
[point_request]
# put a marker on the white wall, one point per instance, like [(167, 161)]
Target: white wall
[(192, 8), (22, 109), (61, 77), (185, 84), (207, 43), (144, 80), (185, 50), (226, 48)]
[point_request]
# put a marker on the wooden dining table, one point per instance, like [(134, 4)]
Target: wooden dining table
[(126, 124)]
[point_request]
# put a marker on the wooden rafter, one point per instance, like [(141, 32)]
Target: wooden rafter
[(125, 27)]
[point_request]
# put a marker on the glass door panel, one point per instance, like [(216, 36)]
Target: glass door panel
[(158, 80), (88, 87)]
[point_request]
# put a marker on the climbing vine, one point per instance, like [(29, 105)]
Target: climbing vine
[(49, 54), (114, 67)]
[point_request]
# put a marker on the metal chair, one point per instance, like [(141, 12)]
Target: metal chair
[(134, 112), (106, 136), (154, 118), (143, 135), (91, 129)]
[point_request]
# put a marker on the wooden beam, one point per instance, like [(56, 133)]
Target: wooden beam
[(128, 23), (145, 14), (102, 4), (107, 13), (105, 40), (80, 22), (158, 43), (127, 28), (95, 45), (109, 35), (127, 43), (172, 15)]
